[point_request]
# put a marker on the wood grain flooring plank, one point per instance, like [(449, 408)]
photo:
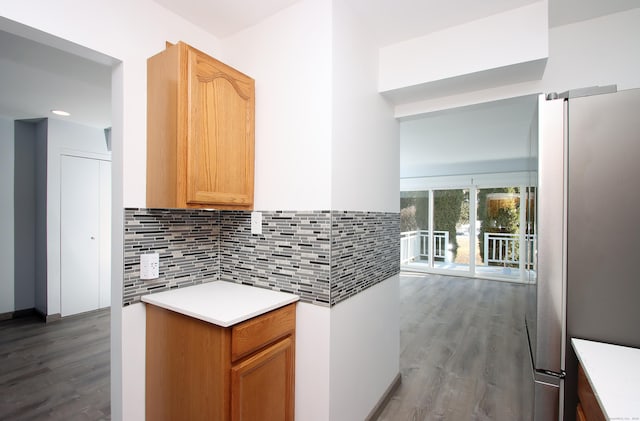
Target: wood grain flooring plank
[(461, 350), (55, 371)]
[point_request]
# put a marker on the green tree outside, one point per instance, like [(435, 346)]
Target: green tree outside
[(505, 220)]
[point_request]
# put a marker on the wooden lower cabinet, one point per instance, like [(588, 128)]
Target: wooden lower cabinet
[(199, 371), (262, 385), (588, 407), (580, 413)]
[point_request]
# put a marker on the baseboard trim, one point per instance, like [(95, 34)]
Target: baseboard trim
[(48, 318), (377, 410), (51, 317), (18, 314)]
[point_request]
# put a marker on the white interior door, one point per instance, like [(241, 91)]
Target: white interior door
[(79, 235)]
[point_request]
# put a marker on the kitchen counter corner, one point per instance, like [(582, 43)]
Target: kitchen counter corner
[(221, 303)]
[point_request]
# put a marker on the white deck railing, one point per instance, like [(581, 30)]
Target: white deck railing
[(499, 249), (502, 249), (414, 245)]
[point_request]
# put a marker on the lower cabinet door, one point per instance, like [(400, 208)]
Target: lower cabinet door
[(262, 385), (580, 414)]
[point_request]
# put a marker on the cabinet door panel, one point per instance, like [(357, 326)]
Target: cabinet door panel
[(220, 136), (262, 386)]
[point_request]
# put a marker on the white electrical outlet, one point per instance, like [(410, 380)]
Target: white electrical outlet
[(256, 222), (149, 266)]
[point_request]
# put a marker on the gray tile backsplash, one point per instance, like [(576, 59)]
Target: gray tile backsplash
[(323, 256), (365, 250), (186, 240), (292, 254)]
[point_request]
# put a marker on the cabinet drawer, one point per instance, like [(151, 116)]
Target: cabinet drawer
[(588, 402), (256, 333)]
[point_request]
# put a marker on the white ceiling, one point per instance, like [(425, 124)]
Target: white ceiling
[(490, 132), (36, 78), (225, 17), (391, 20)]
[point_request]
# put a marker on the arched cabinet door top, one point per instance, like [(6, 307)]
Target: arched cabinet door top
[(200, 132), (207, 69)]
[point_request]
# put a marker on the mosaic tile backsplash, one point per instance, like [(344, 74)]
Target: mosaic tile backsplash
[(292, 254), (365, 250), (323, 256), (186, 240)]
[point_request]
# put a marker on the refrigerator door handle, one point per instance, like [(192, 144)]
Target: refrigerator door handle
[(560, 375)]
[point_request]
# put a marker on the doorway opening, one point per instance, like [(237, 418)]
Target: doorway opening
[(468, 180)]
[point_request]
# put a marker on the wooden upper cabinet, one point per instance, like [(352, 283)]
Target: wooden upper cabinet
[(200, 132)]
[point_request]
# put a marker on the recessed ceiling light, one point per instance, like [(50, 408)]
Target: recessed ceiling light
[(60, 112)]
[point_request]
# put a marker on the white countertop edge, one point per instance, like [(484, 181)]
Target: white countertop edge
[(601, 360), (219, 322), (275, 300)]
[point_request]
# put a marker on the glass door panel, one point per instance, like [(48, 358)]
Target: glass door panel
[(499, 232), (451, 237), (414, 229)]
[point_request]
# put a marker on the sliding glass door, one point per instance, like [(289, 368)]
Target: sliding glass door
[(451, 245), (485, 232), (414, 229), (499, 236)]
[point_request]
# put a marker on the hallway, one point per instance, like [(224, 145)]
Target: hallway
[(463, 353)]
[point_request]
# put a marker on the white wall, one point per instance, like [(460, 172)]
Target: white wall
[(365, 151), (504, 39), (600, 51), (133, 361), (289, 56), (365, 349), (325, 139), (365, 156), (313, 371), (6, 216)]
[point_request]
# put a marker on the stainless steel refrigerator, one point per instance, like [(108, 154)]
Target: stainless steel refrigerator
[(587, 281)]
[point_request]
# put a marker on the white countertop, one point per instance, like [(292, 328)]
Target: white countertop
[(614, 374), (220, 302)]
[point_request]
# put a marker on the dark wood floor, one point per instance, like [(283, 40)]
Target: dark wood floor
[(55, 371), (463, 351), (462, 354)]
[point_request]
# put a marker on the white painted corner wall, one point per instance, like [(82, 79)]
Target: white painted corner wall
[(325, 139), (365, 140), (365, 350), (504, 39), (601, 51), (134, 329), (289, 56), (313, 325)]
